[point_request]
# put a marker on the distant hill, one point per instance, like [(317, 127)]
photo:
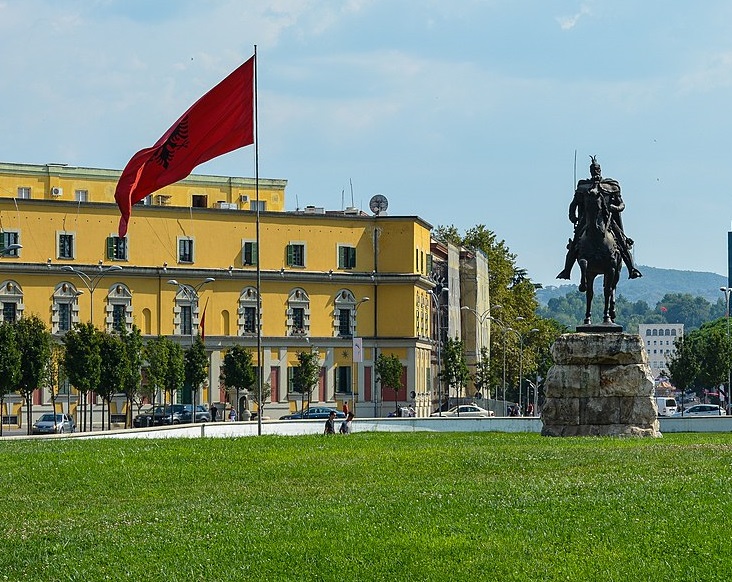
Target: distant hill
[(652, 286)]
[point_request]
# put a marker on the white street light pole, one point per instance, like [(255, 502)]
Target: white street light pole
[(354, 381), (91, 281)]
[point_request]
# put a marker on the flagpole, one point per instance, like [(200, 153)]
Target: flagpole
[(260, 359)]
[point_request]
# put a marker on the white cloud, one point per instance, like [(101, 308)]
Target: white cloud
[(569, 22)]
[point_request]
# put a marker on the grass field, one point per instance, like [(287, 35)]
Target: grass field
[(370, 506)]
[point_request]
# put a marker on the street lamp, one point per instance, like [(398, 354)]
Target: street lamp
[(10, 249), (191, 293), (91, 281), (436, 302), (504, 329), (357, 344), (521, 356), (727, 291), (481, 318)]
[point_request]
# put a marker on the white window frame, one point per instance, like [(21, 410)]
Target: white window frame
[(11, 292), (344, 299), (66, 293), (293, 244), (24, 192), (5, 235), (118, 294), (81, 195), (248, 299), (255, 251), (298, 298), (190, 240)]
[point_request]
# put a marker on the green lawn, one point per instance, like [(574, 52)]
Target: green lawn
[(370, 506)]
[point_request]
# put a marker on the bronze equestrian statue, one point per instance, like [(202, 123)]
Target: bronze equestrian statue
[(599, 243)]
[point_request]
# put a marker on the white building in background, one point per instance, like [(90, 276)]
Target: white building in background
[(658, 339)]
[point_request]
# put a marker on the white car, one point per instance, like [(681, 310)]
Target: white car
[(50, 423), (466, 411), (702, 410)]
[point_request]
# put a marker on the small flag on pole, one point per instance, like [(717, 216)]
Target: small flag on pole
[(203, 321), (219, 122)]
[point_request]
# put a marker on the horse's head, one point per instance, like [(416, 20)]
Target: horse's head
[(597, 211)]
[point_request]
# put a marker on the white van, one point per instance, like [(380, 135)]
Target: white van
[(666, 405)]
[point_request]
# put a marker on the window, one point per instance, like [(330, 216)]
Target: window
[(343, 380), (199, 201), (185, 250), (118, 317), (65, 308), (262, 205), (24, 192), (249, 253), (344, 322), (7, 238), (81, 195), (344, 314), (346, 257), (186, 323), (296, 255), (119, 308), (65, 245), (248, 311), (250, 320), (10, 312), (298, 313), (117, 248), (64, 317), (298, 319)]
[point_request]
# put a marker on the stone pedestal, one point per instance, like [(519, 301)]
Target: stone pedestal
[(600, 385)]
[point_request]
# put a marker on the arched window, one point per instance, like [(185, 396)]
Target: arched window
[(247, 323), (11, 297), (298, 313), (667, 332), (673, 332), (655, 332), (344, 314), (648, 332), (118, 308), (65, 308)]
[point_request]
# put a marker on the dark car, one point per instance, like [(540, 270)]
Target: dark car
[(175, 414), (320, 412), (202, 415)]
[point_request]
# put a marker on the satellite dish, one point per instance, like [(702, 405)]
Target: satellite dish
[(378, 204)]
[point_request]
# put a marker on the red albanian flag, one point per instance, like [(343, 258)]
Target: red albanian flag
[(219, 122)]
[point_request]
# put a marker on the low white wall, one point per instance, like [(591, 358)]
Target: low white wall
[(696, 424)]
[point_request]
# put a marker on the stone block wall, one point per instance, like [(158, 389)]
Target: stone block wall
[(600, 385)]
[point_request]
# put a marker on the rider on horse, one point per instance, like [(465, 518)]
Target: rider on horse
[(610, 189)]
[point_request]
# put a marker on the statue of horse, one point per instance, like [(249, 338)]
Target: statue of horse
[(598, 253)]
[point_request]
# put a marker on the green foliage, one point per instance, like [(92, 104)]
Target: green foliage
[(134, 353), (175, 372), (389, 371), (196, 364), (114, 367), (82, 360), (34, 343), (454, 368), (237, 370), (703, 357), (482, 506), (307, 372), (683, 308), (155, 353), (10, 361)]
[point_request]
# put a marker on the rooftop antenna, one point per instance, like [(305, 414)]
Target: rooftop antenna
[(297, 203), (343, 198), (351, 183)]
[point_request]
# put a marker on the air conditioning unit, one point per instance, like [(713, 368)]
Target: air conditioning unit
[(243, 198), (56, 191)]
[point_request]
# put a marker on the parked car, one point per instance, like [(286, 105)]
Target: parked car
[(202, 415), (702, 410), (466, 411), (175, 414), (313, 412), (50, 423)]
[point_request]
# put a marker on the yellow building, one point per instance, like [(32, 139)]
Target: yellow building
[(325, 277)]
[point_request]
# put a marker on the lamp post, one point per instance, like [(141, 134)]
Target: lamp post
[(727, 291), (191, 292), (91, 282), (10, 249), (481, 318), (357, 346), (437, 303), (504, 328), (521, 356)]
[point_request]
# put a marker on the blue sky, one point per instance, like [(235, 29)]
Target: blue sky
[(463, 113)]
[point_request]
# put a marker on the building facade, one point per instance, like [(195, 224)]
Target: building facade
[(658, 339), (319, 278)]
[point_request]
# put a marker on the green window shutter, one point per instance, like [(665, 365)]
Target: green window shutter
[(429, 263), (342, 258), (255, 254), (4, 239), (110, 247), (290, 255), (352, 257)]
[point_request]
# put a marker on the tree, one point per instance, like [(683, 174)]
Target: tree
[(83, 361), (9, 364), (131, 386), (306, 374), (481, 378), (175, 372), (389, 371), (237, 371), (34, 344), (266, 393), (454, 368), (196, 369), (683, 365), (703, 357), (156, 354), (113, 371)]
